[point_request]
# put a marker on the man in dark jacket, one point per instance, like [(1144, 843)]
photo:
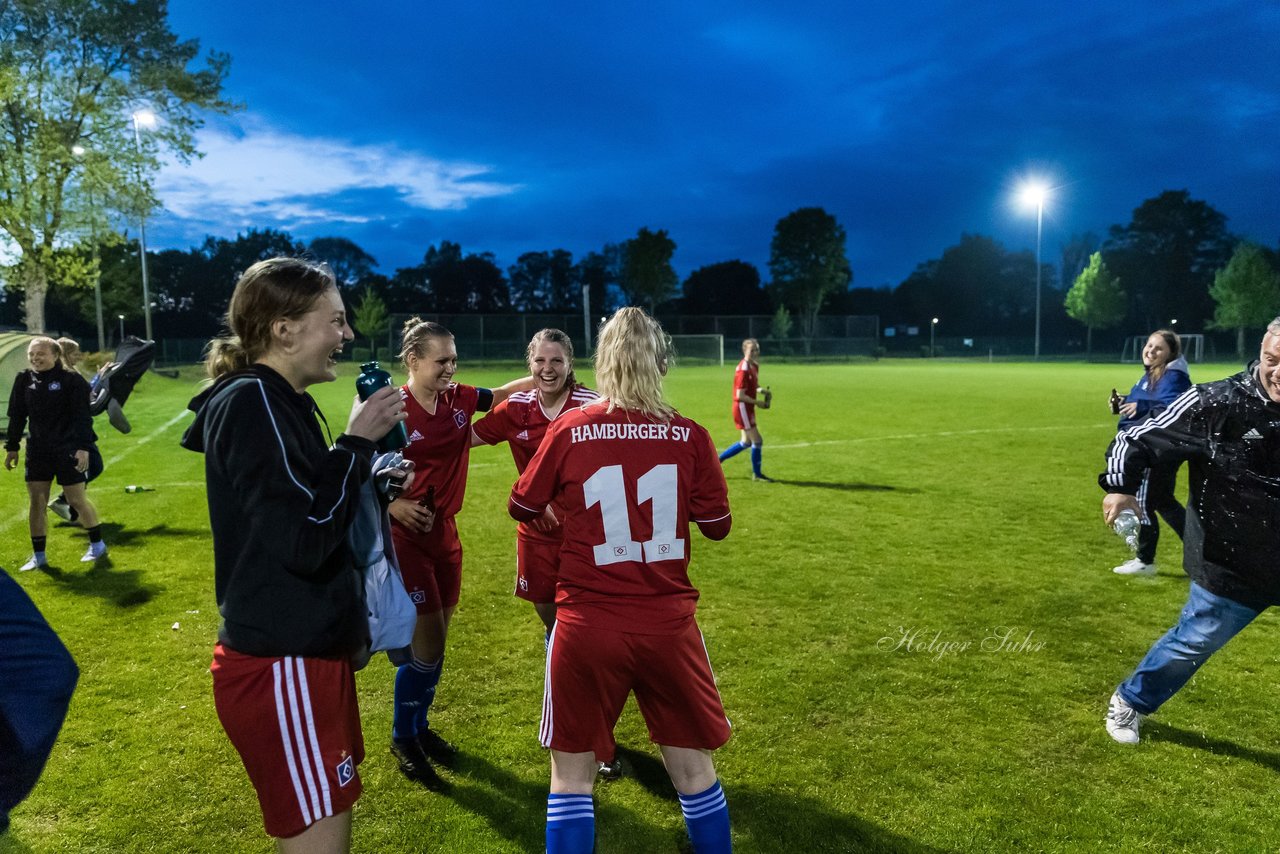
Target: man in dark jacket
[(1229, 433)]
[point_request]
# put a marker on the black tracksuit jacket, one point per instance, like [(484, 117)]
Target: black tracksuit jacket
[(280, 504), (1229, 433), (55, 405)]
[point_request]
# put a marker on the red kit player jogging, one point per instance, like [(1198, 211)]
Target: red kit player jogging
[(631, 474), (747, 395)]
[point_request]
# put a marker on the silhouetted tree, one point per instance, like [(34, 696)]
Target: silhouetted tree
[(807, 261)]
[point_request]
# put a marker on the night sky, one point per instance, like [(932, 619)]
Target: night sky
[(512, 127)]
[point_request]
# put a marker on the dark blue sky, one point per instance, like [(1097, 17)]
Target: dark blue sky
[(511, 127)]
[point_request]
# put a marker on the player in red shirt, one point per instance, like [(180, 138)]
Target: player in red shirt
[(630, 473), (521, 421), (425, 534), (747, 395)]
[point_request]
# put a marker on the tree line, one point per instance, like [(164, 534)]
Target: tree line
[(74, 166)]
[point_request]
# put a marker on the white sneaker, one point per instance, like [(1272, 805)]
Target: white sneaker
[(1135, 567), (1123, 720), (35, 562), (96, 550)]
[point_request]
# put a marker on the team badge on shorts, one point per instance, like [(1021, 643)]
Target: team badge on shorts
[(346, 771), (459, 418), (418, 596)]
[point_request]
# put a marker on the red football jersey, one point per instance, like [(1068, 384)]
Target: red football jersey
[(745, 378), (440, 445), (630, 486), (521, 422)]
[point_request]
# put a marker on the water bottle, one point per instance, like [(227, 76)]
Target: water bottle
[(1126, 527), (370, 380), (135, 488)]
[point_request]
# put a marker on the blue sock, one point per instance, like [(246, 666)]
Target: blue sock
[(428, 692), (756, 454), (415, 689), (571, 824), (706, 816), (733, 450)]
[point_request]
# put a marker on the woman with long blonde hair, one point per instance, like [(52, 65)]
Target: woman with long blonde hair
[(631, 473)]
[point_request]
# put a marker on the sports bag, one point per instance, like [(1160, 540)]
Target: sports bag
[(392, 615)]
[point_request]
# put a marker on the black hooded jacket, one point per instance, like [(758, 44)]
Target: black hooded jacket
[(55, 403), (280, 504), (1229, 433)]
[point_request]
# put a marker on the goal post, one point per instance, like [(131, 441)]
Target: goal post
[(699, 348)]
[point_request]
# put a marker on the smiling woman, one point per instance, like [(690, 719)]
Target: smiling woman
[(281, 501)]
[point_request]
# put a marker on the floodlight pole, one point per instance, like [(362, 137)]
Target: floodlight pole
[(142, 235), (586, 316), (1039, 228)]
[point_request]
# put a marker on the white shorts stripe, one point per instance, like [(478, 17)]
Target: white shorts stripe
[(745, 414), (298, 739), (316, 755), (282, 718), (548, 723), (712, 670)]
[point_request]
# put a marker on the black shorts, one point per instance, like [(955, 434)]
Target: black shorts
[(44, 466)]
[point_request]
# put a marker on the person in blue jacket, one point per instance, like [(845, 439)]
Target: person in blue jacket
[(1166, 377)]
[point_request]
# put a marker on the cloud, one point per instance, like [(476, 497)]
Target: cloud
[(259, 173)]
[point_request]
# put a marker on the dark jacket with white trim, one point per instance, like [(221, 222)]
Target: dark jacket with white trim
[(1229, 433), (280, 505)]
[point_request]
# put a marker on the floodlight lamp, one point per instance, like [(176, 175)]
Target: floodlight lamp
[(935, 320), (144, 119), (78, 150), (1034, 194)]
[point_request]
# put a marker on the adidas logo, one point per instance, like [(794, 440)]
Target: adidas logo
[(415, 436), (523, 435), (1252, 434)]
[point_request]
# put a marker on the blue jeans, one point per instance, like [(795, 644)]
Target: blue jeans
[(37, 676), (1208, 621)]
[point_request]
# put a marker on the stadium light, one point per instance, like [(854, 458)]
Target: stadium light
[(143, 119), (932, 327), (1035, 193)]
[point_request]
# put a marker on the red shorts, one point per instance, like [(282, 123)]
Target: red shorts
[(431, 565), (590, 671), (537, 568), (744, 416), (295, 724)]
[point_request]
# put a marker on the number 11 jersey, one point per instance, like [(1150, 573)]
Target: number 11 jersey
[(629, 485)]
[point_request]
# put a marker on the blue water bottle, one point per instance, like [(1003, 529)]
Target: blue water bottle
[(370, 380)]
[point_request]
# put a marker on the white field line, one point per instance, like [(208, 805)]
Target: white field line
[(940, 434), (129, 449)]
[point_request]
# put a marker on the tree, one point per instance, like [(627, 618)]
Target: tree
[(977, 287), (349, 263), (1096, 299), (371, 319), (730, 287), (600, 272), (71, 73), (545, 281), (647, 275), (1167, 256), (1247, 292), (807, 262), (1076, 256)]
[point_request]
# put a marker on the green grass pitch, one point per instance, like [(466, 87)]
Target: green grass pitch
[(915, 632)]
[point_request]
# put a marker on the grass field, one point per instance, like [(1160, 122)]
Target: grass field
[(951, 503)]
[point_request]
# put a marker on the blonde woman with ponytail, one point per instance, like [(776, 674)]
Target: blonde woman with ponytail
[(425, 533), (282, 496), (631, 473)]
